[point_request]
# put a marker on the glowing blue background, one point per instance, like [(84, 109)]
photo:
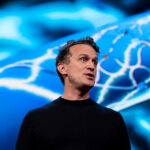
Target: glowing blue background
[(28, 76)]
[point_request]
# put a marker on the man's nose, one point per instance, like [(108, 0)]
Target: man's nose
[(91, 66)]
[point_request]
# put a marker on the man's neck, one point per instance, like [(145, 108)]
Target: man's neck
[(75, 94)]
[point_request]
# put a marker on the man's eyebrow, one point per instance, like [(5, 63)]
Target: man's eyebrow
[(83, 55), (96, 58), (88, 56)]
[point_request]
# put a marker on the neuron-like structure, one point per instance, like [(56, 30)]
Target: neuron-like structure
[(123, 71), (26, 84), (133, 44), (118, 43)]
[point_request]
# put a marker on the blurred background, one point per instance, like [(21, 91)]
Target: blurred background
[(31, 33)]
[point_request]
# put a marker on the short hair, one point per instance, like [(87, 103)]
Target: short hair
[(64, 53)]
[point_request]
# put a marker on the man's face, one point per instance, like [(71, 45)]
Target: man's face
[(81, 70)]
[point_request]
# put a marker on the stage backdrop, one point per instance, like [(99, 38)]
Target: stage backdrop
[(29, 80)]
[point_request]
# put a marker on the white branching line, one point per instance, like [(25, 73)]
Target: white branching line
[(23, 84), (16, 84), (99, 35), (133, 44)]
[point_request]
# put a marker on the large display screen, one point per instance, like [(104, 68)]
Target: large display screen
[(28, 79)]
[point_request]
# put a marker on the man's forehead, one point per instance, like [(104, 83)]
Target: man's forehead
[(82, 49)]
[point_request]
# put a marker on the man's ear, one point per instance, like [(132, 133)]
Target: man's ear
[(62, 68)]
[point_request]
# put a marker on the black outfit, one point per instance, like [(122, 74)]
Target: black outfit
[(73, 125)]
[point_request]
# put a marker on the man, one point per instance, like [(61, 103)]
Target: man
[(74, 121)]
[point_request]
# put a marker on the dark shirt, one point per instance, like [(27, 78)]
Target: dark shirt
[(73, 125)]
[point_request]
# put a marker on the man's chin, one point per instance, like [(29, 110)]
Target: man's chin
[(89, 84), (86, 85)]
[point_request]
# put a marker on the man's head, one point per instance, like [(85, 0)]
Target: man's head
[(77, 60)]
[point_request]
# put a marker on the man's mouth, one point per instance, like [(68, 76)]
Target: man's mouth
[(89, 75)]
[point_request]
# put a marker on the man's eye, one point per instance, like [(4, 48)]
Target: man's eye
[(83, 59), (95, 62)]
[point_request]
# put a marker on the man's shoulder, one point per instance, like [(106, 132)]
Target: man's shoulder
[(109, 115), (105, 110), (47, 108)]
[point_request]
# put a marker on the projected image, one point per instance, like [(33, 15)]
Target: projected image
[(27, 25), (28, 77)]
